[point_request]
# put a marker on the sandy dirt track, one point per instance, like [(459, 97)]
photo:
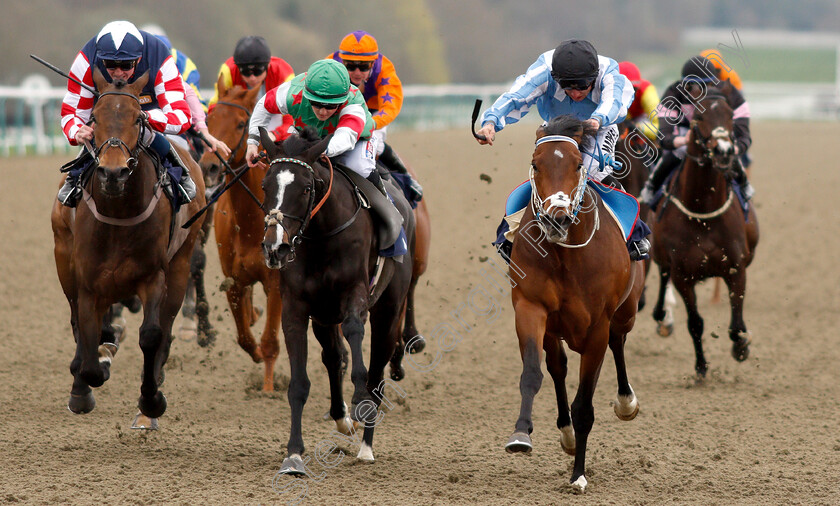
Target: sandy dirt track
[(761, 432)]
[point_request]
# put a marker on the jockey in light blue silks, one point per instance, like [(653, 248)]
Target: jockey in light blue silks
[(571, 79)]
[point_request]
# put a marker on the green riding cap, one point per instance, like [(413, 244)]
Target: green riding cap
[(328, 82)]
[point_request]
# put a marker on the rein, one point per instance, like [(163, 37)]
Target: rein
[(561, 201)]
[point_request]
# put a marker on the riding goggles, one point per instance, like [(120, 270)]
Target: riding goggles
[(364, 66), (575, 84), (322, 105), (252, 69), (119, 64)]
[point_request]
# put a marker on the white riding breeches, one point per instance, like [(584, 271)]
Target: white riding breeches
[(380, 139), (362, 158)]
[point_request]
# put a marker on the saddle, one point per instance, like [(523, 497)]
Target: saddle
[(390, 220)]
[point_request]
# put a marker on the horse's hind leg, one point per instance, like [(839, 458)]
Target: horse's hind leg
[(555, 359), (662, 312), (737, 328), (695, 323), (583, 412), (270, 341), (530, 328), (330, 339), (626, 405), (239, 299)]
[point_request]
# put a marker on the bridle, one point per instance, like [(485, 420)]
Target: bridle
[(570, 207), (275, 216), (244, 131), (115, 142)]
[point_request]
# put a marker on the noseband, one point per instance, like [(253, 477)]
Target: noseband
[(718, 134)]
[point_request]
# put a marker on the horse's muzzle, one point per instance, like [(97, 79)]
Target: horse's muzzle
[(212, 173), (556, 227), (112, 181), (279, 256)]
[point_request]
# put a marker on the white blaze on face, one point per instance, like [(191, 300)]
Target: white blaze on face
[(558, 154), (284, 179)]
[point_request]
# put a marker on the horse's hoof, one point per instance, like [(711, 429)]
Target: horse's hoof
[(143, 422), (206, 338), (519, 442), (81, 404), (293, 465), (567, 439), (397, 373), (665, 329), (188, 330), (365, 453), (415, 345), (345, 425), (626, 408), (741, 348), (579, 485), (153, 408)]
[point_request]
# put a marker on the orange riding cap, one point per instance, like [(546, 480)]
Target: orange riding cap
[(358, 46)]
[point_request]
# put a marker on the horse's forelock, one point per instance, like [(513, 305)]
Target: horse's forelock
[(119, 84), (297, 144), (568, 125)]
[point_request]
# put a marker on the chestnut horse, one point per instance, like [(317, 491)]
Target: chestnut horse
[(575, 283), (239, 220), (121, 241), (320, 236), (701, 230)]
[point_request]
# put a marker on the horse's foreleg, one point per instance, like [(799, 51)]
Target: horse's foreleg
[(94, 369), (81, 396), (295, 323), (530, 328), (555, 360), (152, 402), (583, 412), (270, 342), (695, 323), (663, 313), (738, 333)]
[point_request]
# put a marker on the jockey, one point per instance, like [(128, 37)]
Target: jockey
[(323, 98), (252, 66), (121, 51), (643, 109), (571, 79), (375, 76), (675, 114), (198, 110), (726, 72)]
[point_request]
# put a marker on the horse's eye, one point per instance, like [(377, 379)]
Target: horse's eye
[(241, 125), (534, 167), (307, 189)]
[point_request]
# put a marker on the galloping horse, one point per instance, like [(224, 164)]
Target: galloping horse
[(576, 283), (321, 237), (701, 232), (239, 219), (123, 240)]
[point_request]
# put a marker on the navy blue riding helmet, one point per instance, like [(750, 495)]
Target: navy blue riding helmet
[(120, 41)]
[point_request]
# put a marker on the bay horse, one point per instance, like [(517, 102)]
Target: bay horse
[(239, 219), (701, 230), (576, 284), (320, 235), (123, 240)]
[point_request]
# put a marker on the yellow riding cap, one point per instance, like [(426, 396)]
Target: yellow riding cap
[(358, 46)]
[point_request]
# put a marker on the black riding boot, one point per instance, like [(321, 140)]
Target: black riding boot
[(185, 182), (667, 163), (741, 178), (71, 191)]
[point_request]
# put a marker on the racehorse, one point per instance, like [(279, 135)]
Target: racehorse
[(575, 283), (320, 236), (701, 231), (122, 240), (239, 219)]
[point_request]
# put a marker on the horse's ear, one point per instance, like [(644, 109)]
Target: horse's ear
[(315, 151), (540, 132), (251, 96), (220, 86), (139, 83), (267, 143), (98, 79)]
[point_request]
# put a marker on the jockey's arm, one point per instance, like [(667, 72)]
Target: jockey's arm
[(351, 122), (173, 115), (272, 103), (77, 106), (389, 94)]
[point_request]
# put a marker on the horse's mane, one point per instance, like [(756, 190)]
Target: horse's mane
[(568, 125), (297, 144)]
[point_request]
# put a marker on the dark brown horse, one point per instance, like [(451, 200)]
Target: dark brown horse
[(321, 238), (238, 222), (574, 282), (121, 241), (701, 232)]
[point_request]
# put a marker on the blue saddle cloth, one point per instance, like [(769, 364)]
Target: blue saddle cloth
[(624, 206)]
